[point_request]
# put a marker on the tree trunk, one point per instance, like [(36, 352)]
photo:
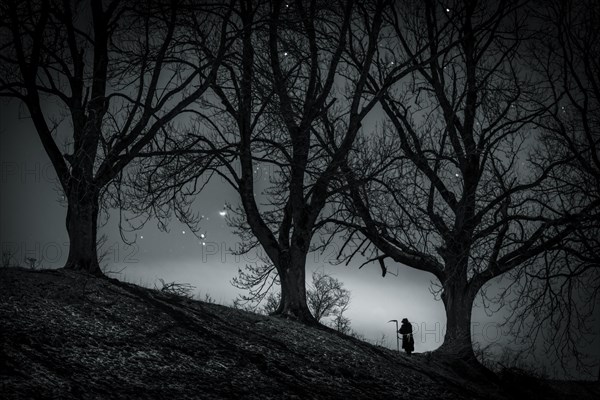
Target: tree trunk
[(458, 303), (292, 275), (82, 225)]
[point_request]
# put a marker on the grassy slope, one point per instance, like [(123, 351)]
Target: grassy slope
[(67, 335)]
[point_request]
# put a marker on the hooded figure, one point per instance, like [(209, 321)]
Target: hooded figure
[(408, 343)]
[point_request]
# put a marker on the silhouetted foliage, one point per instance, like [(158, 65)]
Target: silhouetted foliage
[(326, 295)]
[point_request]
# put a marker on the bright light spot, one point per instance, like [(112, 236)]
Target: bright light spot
[(456, 175), (223, 213), (203, 243), (447, 10), (285, 53), (183, 232), (202, 235), (141, 237)]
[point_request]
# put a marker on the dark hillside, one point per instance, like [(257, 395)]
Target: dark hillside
[(65, 335)]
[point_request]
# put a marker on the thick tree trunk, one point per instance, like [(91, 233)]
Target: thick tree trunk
[(82, 225), (458, 302), (292, 275)]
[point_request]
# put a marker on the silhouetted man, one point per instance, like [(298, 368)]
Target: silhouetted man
[(408, 343)]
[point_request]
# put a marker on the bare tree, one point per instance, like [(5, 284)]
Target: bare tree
[(105, 77), (286, 73), (559, 295), (458, 199), (327, 296)]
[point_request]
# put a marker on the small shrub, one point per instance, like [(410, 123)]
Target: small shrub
[(382, 341), (7, 258), (175, 288), (32, 262), (207, 298)]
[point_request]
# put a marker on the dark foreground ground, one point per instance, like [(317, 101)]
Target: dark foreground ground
[(65, 335)]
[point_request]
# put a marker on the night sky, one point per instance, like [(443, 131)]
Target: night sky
[(33, 226)]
